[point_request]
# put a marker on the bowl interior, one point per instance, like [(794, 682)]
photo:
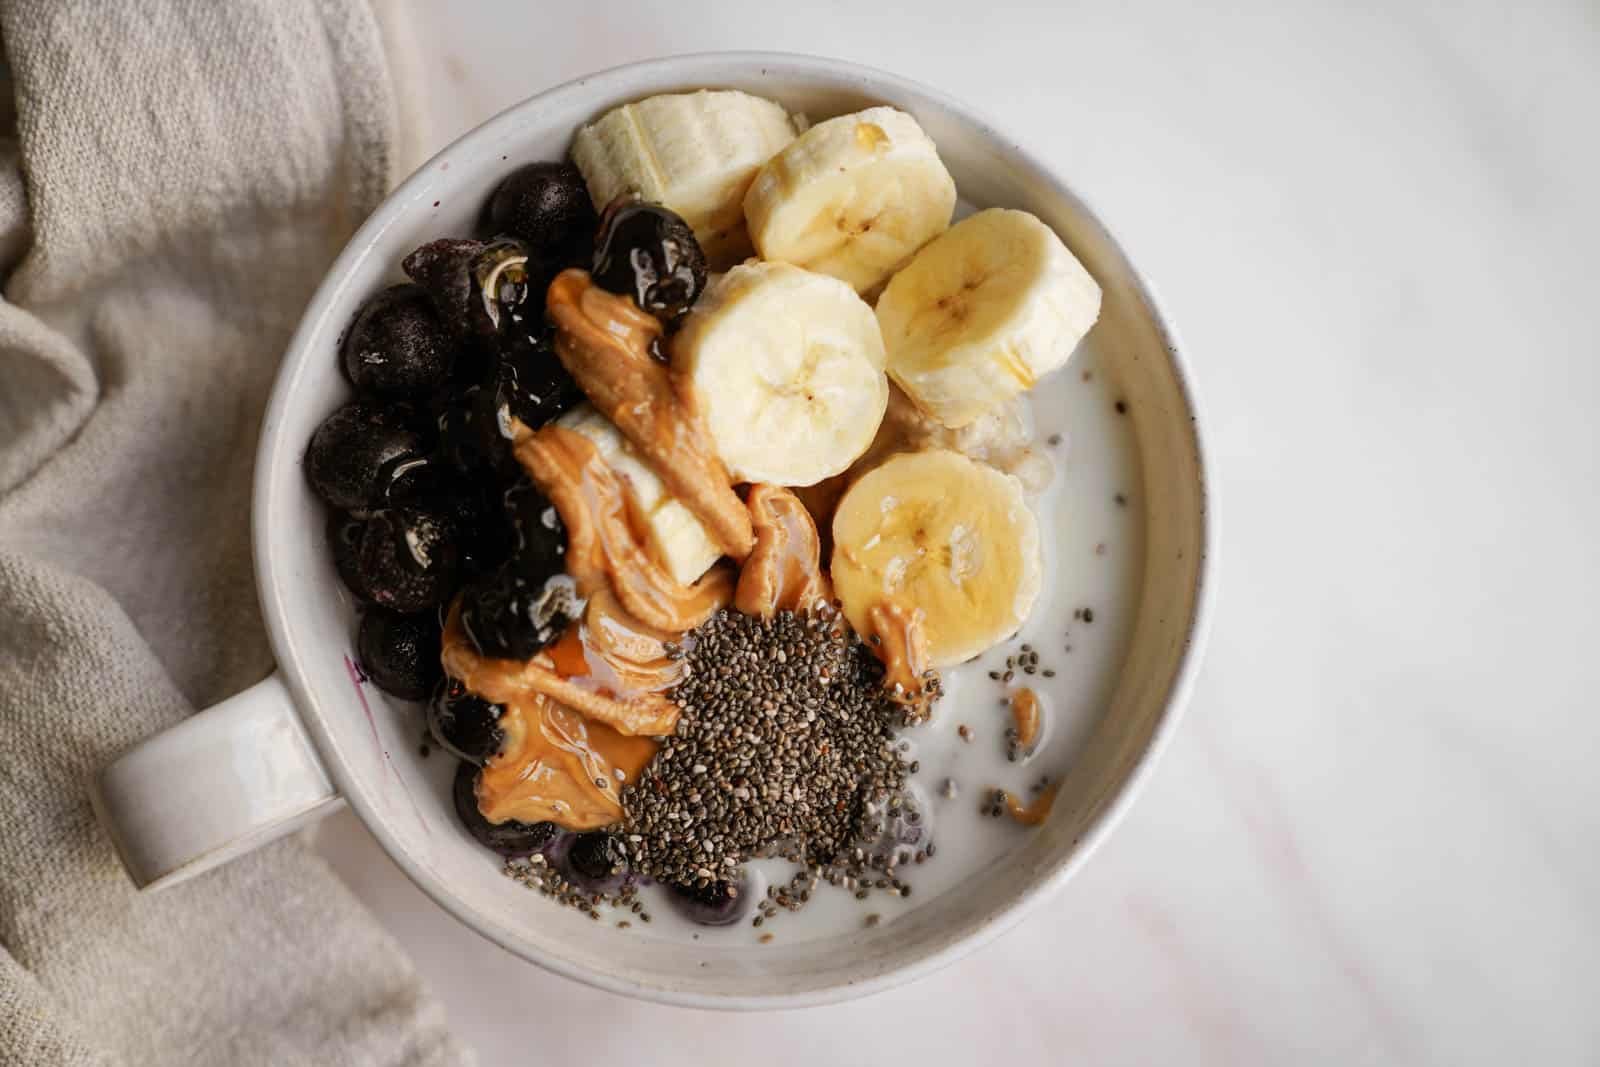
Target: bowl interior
[(371, 747)]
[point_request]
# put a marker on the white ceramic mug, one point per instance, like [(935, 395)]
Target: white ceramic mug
[(310, 737)]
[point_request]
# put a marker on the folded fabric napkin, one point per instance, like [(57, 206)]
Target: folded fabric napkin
[(175, 176)]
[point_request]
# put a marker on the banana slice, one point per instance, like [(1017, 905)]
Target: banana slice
[(943, 535), (675, 537), (786, 367), (853, 197), (983, 312), (696, 153)]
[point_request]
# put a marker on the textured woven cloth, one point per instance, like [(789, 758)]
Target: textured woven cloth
[(175, 175)]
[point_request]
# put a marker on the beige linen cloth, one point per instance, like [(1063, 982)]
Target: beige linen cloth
[(175, 176)]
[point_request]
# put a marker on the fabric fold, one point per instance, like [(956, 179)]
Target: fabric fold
[(180, 175)]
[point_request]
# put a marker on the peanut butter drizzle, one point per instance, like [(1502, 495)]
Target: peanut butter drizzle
[(557, 766), (1025, 712), (612, 654), (1035, 813), (638, 711), (604, 341), (784, 570), (902, 644), (554, 764), (604, 550)]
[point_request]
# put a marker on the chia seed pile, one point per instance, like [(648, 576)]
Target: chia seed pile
[(785, 747)]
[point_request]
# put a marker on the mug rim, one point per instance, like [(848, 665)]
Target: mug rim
[(277, 606)]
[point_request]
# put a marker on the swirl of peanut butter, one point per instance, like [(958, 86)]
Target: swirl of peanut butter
[(1027, 713), (899, 639), (604, 341), (603, 548), (554, 764), (601, 682), (1031, 814), (784, 570), (557, 766)]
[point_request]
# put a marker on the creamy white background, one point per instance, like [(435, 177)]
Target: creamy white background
[(1376, 837)]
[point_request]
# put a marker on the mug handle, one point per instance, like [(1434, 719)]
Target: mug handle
[(224, 781)]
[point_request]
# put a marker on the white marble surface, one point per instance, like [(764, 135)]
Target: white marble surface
[(1377, 836)]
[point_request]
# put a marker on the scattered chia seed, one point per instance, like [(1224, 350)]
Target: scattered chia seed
[(536, 873), (1053, 440), (872, 920), (1122, 407), (1120, 500), (949, 789), (1088, 615), (1048, 673)]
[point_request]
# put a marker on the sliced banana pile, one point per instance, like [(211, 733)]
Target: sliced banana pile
[(790, 367)]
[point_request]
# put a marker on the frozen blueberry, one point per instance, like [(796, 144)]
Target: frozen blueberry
[(483, 533), (396, 347), (721, 903), (511, 839), (484, 292), (904, 829), (508, 615), (508, 291), (475, 426), (531, 384), (469, 436), (539, 546), (400, 652), (597, 860), (401, 558), (443, 268), (354, 453), (344, 538), (649, 253), (548, 206), (464, 724), (419, 478)]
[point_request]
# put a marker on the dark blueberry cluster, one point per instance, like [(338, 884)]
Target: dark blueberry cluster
[(427, 502)]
